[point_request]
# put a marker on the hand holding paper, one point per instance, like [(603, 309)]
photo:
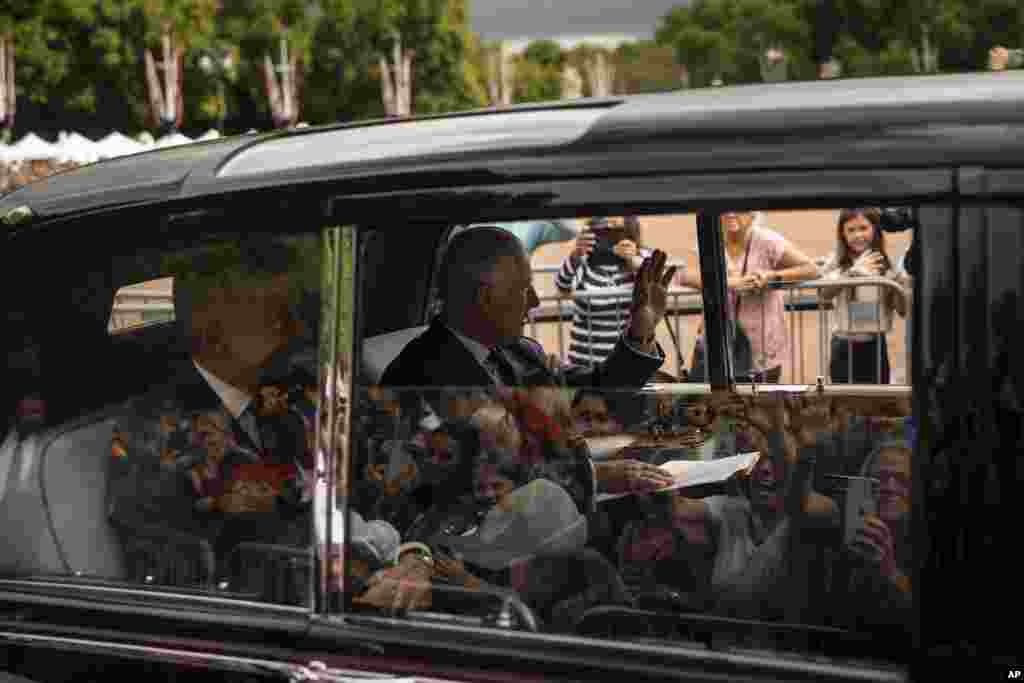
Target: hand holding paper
[(686, 473)]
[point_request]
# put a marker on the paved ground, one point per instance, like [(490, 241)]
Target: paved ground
[(813, 232)]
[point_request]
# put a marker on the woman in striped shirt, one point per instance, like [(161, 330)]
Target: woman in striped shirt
[(604, 260)]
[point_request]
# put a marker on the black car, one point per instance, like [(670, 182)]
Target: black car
[(165, 504)]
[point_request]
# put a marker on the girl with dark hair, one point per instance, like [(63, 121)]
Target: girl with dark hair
[(863, 315)]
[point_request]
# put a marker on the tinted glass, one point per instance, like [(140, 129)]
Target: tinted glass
[(189, 467), (522, 438)]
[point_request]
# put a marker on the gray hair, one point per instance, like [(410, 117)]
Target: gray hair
[(471, 257)]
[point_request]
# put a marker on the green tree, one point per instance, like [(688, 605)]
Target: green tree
[(78, 64), (256, 28), (727, 39), (538, 72), (536, 82), (438, 31), (351, 36), (921, 36), (644, 66), (340, 82), (545, 53), (192, 26), (581, 57)]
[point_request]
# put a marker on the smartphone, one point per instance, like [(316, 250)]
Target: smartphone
[(606, 238), (861, 500)]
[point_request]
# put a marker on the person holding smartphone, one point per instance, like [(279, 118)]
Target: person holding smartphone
[(863, 315), (605, 257), (872, 583)]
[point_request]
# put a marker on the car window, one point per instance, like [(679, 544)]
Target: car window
[(505, 453), (142, 303), (195, 473)]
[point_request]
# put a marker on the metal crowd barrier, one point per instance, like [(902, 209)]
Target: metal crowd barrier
[(801, 298)]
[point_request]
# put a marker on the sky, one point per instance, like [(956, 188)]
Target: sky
[(568, 21)]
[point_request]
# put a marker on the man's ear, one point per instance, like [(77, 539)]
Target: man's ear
[(210, 339), (484, 296)]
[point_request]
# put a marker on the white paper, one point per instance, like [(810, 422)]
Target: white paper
[(696, 472)]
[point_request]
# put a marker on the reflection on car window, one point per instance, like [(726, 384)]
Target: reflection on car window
[(539, 439), (202, 481)]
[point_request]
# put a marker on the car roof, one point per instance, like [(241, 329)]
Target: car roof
[(912, 121)]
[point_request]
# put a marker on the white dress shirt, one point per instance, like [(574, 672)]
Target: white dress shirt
[(481, 353), (235, 400)]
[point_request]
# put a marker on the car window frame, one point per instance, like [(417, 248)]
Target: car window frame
[(934, 185)]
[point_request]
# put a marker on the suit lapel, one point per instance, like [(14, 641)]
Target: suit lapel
[(454, 365), (194, 394)]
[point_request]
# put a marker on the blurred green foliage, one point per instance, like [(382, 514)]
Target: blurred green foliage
[(80, 62), (726, 38)]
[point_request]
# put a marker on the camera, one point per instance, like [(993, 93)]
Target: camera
[(898, 219), (609, 232), (901, 219)]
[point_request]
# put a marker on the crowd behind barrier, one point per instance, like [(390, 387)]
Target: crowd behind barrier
[(802, 298)]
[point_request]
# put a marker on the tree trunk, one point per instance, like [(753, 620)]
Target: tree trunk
[(684, 76), (572, 83), (154, 89), (387, 88), (600, 74), (500, 76), (8, 95), (165, 84), (396, 80), (929, 56), (270, 84), (170, 113), (287, 105), (282, 94)]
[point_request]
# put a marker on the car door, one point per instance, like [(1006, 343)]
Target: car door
[(881, 414), (970, 275)]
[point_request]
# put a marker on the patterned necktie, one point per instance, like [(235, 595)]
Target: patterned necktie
[(250, 425), (500, 362)]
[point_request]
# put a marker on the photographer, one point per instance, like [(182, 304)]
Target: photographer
[(605, 257)]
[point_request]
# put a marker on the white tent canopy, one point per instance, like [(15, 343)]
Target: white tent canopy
[(32, 147), (117, 144), (173, 140), (77, 148)]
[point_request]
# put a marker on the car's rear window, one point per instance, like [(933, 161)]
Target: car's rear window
[(142, 303)]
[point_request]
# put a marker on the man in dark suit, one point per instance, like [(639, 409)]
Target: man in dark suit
[(219, 453), (486, 286)]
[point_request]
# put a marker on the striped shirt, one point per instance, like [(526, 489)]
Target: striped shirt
[(597, 322)]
